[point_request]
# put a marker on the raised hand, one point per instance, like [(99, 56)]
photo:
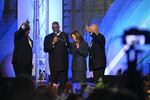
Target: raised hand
[(92, 28), (88, 29), (25, 24)]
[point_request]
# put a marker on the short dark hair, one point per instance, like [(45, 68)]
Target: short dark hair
[(55, 22)]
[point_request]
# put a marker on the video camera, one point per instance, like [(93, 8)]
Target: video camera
[(134, 36)]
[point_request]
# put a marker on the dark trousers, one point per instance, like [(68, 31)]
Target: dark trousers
[(79, 76), (59, 76), (22, 69), (97, 73)]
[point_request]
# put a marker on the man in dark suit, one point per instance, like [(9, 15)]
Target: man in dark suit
[(22, 55), (97, 57), (56, 44)]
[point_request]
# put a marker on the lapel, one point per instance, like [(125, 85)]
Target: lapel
[(30, 42), (91, 43)]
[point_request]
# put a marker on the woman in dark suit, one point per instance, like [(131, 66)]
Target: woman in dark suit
[(79, 50)]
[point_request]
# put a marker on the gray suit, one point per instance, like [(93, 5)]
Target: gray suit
[(79, 66)]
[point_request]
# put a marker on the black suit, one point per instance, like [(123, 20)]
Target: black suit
[(97, 57), (22, 55), (58, 57)]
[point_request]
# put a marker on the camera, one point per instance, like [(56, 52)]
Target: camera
[(135, 36)]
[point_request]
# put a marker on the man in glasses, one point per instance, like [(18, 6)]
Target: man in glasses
[(56, 45)]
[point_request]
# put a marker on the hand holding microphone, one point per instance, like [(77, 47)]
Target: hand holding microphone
[(55, 40)]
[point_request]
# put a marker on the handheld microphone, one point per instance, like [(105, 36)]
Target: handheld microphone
[(57, 33)]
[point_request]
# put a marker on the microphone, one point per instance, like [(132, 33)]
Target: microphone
[(57, 33)]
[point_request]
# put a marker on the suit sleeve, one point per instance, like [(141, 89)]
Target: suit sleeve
[(83, 50), (99, 38), (70, 48), (68, 42), (48, 46)]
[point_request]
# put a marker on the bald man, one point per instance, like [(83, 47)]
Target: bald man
[(97, 57)]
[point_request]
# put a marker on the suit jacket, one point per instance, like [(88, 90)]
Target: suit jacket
[(79, 56), (58, 53), (97, 57), (22, 53)]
